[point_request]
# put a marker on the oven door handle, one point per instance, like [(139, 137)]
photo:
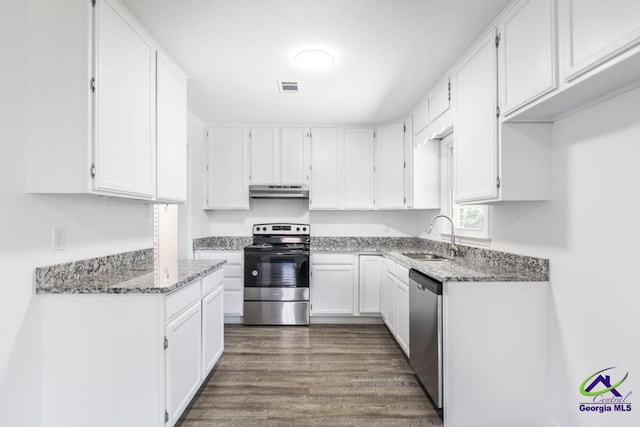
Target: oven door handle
[(278, 253)]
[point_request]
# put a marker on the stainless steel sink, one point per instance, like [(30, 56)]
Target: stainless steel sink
[(424, 256)]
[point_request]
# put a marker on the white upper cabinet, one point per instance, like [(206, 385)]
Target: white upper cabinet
[(325, 189), (421, 116), (426, 171), (294, 155), (92, 105), (171, 131), (476, 131), (390, 164), (527, 51), (264, 155), (125, 104), (358, 168), (228, 176), (439, 101), (597, 32)]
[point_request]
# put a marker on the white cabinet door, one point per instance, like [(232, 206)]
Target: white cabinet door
[(212, 329), (390, 299), (476, 135), (598, 31), (370, 280), (233, 279), (527, 53), (439, 100), (402, 315), (332, 289), (358, 168), (421, 116), (183, 360), (264, 156), (390, 163), (426, 171), (325, 169), (124, 146), (228, 169), (294, 156), (171, 132)]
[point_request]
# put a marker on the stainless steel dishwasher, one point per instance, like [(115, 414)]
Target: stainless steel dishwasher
[(425, 332)]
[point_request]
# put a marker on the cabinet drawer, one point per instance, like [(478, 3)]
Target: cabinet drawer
[(233, 257), (212, 281), (332, 259), (181, 299), (390, 266), (232, 270), (233, 283), (402, 273)]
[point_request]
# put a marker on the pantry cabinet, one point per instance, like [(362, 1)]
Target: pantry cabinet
[(92, 103), (227, 169), (476, 123), (527, 51), (358, 169), (326, 171), (390, 166)]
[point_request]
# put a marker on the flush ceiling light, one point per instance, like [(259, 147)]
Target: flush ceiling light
[(313, 59)]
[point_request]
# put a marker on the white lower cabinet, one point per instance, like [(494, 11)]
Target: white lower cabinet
[(233, 279), (212, 329), (395, 302), (134, 359), (370, 283), (333, 284), (183, 367)]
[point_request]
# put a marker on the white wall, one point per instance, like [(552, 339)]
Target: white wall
[(589, 231), (94, 227)]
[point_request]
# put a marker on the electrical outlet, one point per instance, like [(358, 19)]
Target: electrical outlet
[(59, 238)]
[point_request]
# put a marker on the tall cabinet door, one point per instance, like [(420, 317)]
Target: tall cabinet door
[(264, 146), (228, 169), (358, 168), (124, 133), (390, 164), (171, 146), (476, 134), (325, 169), (294, 154), (183, 360)]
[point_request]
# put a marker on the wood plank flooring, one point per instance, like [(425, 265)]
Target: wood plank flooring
[(322, 375)]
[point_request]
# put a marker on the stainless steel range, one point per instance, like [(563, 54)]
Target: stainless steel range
[(276, 275)]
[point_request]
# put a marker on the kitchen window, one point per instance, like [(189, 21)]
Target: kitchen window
[(472, 222)]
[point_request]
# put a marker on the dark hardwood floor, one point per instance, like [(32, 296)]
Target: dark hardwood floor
[(322, 375)]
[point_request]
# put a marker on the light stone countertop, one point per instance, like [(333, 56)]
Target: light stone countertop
[(127, 273)]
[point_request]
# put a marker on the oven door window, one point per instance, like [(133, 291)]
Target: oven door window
[(281, 271)]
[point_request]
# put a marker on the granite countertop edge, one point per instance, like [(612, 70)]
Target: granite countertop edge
[(144, 283)]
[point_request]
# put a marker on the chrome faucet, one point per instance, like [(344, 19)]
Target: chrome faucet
[(453, 249)]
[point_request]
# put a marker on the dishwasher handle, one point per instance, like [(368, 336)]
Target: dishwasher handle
[(425, 283)]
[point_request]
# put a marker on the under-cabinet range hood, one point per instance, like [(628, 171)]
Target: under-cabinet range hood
[(279, 191)]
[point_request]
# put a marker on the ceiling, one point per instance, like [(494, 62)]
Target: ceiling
[(388, 53)]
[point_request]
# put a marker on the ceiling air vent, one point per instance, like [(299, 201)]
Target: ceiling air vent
[(288, 87)]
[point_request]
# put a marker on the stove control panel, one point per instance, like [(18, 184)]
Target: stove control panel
[(282, 229)]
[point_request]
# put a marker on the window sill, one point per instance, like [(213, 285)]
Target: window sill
[(482, 242)]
